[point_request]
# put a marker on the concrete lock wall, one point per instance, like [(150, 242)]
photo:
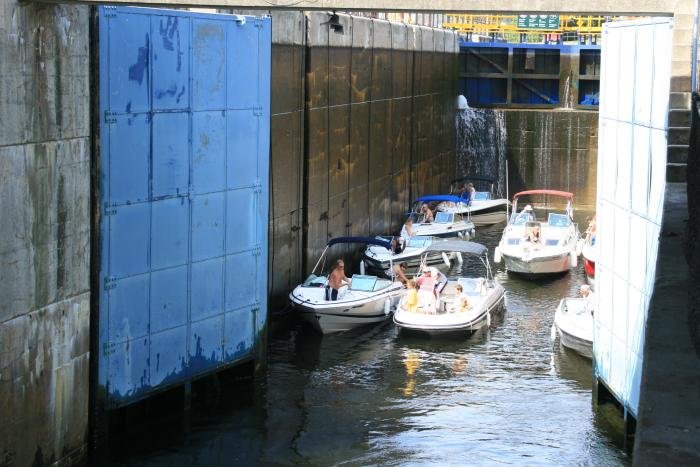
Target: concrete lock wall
[(555, 149), (44, 231), (379, 124), (362, 121)]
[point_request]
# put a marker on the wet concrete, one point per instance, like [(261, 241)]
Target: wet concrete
[(556, 149), (44, 232), (668, 427)]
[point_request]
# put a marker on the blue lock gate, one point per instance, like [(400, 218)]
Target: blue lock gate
[(184, 175)]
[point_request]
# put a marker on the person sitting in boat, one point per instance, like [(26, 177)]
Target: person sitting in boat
[(427, 214), (410, 299), (426, 288), (591, 230), (532, 234), (585, 292), (336, 279), (397, 244), (467, 193), (461, 302), (406, 232), (400, 272), (440, 280)]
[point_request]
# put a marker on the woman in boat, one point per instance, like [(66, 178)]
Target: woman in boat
[(590, 231), (533, 234), (427, 214), (336, 279), (410, 300), (426, 288), (406, 231)]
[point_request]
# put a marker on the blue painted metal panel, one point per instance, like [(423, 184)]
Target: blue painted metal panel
[(184, 177)]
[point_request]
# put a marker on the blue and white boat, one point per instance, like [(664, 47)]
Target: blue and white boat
[(483, 208), (379, 258), (446, 224), (368, 299)]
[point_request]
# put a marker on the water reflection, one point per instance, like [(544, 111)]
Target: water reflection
[(507, 394)]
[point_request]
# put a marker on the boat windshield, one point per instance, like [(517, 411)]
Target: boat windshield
[(419, 242), (558, 220), (314, 281), (444, 217), (363, 283), (481, 196), (522, 218)]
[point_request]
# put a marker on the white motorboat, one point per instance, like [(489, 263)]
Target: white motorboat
[(368, 299), (482, 207), (540, 240), (573, 323), (447, 314), (446, 224), (379, 258)]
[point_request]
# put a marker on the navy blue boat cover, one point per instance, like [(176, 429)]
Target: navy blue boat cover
[(365, 240)]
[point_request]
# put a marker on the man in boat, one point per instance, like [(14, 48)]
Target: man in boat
[(426, 288), (526, 215), (467, 193), (427, 214), (400, 272), (532, 234), (336, 279)]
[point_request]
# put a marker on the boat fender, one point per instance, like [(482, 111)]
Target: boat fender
[(497, 255), (579, 246), (574, 259), (460, 260), (387, 306), (362, 267), (446, 259), (553, 332), (488, 318), (460, 234), (473, 233)]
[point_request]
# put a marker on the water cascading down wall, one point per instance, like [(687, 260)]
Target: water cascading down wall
[(376, 130)]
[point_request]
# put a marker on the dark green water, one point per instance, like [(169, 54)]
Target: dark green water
[(370, 397)]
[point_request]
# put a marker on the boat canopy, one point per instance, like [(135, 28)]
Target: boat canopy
[(364, 240), (458, 246), (564, 194), (429, 198)]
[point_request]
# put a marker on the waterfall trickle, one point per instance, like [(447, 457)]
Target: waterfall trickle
[(481, 146)]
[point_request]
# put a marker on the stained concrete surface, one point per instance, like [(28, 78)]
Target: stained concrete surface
[(44, 232), (556, 149), (668, 425)]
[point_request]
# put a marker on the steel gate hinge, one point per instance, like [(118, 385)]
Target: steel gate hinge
[(110, 11), (108, 348), (110, 117), (110, 283), (257, 110), (110, 211), (258, 23), (257, 251)]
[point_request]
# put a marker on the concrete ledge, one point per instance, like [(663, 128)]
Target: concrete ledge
[(668, 425), (676, 173)]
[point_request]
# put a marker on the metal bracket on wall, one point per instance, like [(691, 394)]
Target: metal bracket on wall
[(110, 283), (257, 111), (110, 117)]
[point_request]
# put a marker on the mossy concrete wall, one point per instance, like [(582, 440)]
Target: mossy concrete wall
[(553, 149), (44, 232), (362, 121)]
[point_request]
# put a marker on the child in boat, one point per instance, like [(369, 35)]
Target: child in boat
[(461, 302), (410, 300)]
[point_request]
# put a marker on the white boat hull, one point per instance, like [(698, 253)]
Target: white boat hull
[(444, 322), (553, 264), (345, 314), (574, 323)]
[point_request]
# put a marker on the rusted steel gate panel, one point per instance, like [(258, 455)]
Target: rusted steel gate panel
[(184, 173)]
